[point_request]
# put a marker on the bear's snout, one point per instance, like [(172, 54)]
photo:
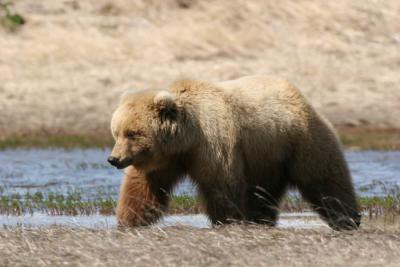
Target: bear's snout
[(113, 160), (119, 163)]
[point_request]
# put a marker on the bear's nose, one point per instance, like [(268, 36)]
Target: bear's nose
[(113, 160)]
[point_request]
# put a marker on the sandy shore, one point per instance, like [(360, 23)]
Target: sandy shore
[(183, 246), (63, 71)]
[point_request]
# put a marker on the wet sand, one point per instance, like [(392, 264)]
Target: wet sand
[(300, 220)]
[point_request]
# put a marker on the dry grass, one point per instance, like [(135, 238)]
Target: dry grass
[(63, 71), (182, 246), (359, 138)]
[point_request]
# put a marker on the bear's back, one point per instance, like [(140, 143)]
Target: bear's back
[(260, 89), (271, 99)]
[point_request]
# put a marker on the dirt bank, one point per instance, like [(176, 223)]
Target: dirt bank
[(63, 71)]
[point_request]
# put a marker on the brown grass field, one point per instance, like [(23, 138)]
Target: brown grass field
[(63, 71), (235, 245)]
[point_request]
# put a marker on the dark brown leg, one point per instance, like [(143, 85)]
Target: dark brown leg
[(263, 202), (325, 182)]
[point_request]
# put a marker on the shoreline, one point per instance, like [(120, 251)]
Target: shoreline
[(386, 207), (352, 138)]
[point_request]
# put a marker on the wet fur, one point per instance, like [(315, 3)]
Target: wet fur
[(243, 143)]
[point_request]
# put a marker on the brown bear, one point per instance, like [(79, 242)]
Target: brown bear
[(242, 142)]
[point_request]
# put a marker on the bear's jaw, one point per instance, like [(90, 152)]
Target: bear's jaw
[(148, 166)]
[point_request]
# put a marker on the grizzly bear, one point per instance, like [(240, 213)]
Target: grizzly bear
[(243, 143)]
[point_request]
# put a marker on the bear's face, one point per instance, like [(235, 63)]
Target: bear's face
[(132, 135), (148, 128)]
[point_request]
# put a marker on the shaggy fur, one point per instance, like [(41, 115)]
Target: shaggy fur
[(242, 142)]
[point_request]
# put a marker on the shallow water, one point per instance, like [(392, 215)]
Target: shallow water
[(87, 171), (63, 171), (306, 220)]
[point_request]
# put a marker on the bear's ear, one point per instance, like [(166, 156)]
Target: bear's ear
[(166, 106)]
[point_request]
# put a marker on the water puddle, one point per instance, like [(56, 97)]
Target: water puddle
[(306, 220), (87, 171)]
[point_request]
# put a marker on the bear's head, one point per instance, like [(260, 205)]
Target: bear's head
[(149, 127)]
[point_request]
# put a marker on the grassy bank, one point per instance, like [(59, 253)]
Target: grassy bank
[(73, 203), (351, 138), (369, 138), (57, 141)]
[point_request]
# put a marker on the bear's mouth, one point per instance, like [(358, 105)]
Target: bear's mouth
[(122, 164)]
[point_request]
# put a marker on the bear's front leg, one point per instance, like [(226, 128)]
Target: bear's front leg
[(138, 204)]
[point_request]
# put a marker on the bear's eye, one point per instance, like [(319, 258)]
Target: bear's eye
[(133, 134)]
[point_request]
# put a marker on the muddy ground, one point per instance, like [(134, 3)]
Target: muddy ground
[(183, 246), (63, 71)]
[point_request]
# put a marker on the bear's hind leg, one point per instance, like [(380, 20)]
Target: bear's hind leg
[(338, 209), (325, 182)]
